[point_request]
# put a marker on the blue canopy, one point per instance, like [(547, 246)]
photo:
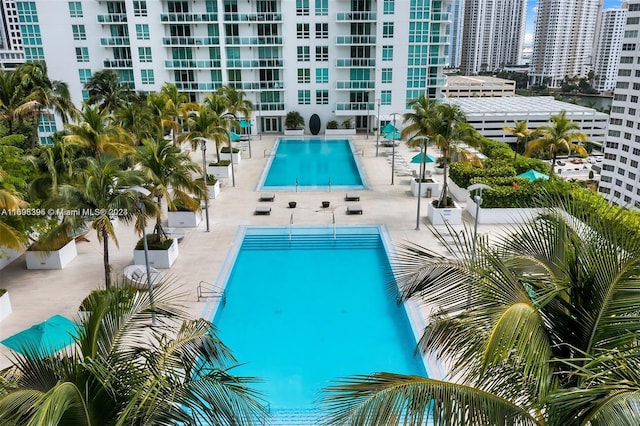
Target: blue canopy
[(44, 338), (389, 128), (393, 135), (235, 137), (533, 175), (244, 123), (422, 158)]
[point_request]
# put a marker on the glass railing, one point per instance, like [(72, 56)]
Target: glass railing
[(188, 63), (359, 85), (355, 63), (114, 41), (356, 16), (190, 41), (112, 17), (188, 17), (441, 81), (443, 39), (258, 85), (251, 41), (362, 39), (118, 63), (255, 63), (193, 86), (355, 106), (271, 106), (251, 17), (440, 17)]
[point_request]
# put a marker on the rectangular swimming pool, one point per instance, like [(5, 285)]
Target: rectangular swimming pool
[(305, 310), (312, 164)]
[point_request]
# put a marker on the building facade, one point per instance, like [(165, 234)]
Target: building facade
[(563, 42), (460, 86), (609, 49), (453, 50), (337, 59), (620, 179), (493, 34)]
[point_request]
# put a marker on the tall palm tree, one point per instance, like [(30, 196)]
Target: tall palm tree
[(540, 327), (521, 132), (207, 123), (10, 200), (563, 134), (106, 92), (419, 124), (236, 102), (121, 371), (136, 118)]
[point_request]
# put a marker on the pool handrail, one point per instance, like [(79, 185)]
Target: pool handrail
[(207, 290)]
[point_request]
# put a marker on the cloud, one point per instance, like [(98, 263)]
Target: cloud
[(528, 39)]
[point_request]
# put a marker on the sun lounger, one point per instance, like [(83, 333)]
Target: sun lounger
[(351, 197), (263, 210), (267, 197), (354, 209)]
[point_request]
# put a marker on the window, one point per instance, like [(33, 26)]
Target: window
[(387, 53), (79, 32), (624, 73), (147, 77), (387, 30), (622, 85), (75, 9), (302, 31), (322, 30), (302, 7), (31, 35), (27, 11), (385, 97), (631, 175), (617, 110), (388, 7), (34, 53), (626, 47), (47, 124), (633, 21), (634, 7), (145, 54), (634, 99), (626, 59), (620, 97), (633, 164), (322, 75), (387, 75), (304, 75), (322, 53), (303, 54), (142, 31), (139, 8), (322, 97), (85, 75), (82, 54), (632, 111), (631, 34), (322, 7), (304, 97)]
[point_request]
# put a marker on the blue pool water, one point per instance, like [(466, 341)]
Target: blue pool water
[(313, 163), (303, 312)]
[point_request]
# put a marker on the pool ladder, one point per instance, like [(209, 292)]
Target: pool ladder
[(333, 213), (206, 290), (290, 227)]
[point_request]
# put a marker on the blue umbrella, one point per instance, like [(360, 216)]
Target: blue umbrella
[(533, 175), (389, 128), (393, 135), (44, 338), (244, 123), (235, 137), (422, 158)]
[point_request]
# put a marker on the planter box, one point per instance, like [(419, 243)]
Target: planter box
[(502, 215), (438, 170), (221, 172), (294, 132), (183, 219), (227, 156), (450, 215), (5, 306), (214, 190), (159, 259), (7, 256), (339, 132), (459, 194), (56, 259), (432, 187)]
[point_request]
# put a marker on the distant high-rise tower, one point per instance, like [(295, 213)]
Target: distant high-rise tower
[(563, 41), (456, 16), (492, 35), (609, 48)]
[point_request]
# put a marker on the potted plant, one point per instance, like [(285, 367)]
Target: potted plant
[(184, 214), (332, 125), (55, 248), (162, 251), (293, 124), (334, 129), (346, 124), (5, 304), (220, 169), (213, 185), (226, 155)]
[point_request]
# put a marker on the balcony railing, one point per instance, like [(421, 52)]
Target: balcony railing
[(431, 82), (190, 41), (356, 63), (253, 17), (356, 85), (188, 17), (197, 87), (254, 41), (255, 63), (258, 85), (356, 16), (355, 106), (440, 17), (118, 63), (114, 41), (189, 63), (361, 39), (270, 106), (443, 39), (112, 18)]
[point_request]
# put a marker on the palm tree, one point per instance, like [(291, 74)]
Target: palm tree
[(10, 200), (562, 134), (236, 102), (419, 124), (136, 118), (540, 327), (121, 371), (206, 123), (521, 132), (106, 92)]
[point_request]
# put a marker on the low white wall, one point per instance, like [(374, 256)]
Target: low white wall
[(294, 132), (500, 215), (227, 156), (57, 259), (424, 188), (5, 306), (339, 132), (160, 259), (183, 219), (7, 256), (221, 172), (450, 215), (460, 194)]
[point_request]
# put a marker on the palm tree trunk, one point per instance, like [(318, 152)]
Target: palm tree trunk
[(553, 163), (105, 260), (158, 226), (445, 187)]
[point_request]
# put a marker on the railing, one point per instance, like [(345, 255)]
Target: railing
[(207, 290), (333, 213), (297, 184), (291, 227), (188, 17), (329, 184), (355, 62), (356, 16)]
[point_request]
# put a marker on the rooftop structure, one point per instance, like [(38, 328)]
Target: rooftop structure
[(459, 86), (609, 48)]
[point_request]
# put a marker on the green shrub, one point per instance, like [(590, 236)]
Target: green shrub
[(221, 163), (2, 291), (523, 164), (333, 124), (463, 174), (346, 124), (155, 243), (496, 149), (226, 150), (211, 179)]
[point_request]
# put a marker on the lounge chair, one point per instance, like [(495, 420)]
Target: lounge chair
[(267, 197), (263, 210), (354, 209), (350, 196)]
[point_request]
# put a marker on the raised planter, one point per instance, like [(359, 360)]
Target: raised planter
[(160, 259), (431, 186), (438, 170), (339, 132), (5, 306), (214, 190), (221, 172), (502, 215), (56, 259), (458, 193), (227, 156), (7, 256), (440, 216), (294, 132), (183, 219)]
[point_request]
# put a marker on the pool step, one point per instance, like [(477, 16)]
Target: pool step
[(310, 241)]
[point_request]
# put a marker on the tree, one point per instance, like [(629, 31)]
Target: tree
[(236, 102), (122, 371), (10, 200), (539, 327), (562, 134), (106, 92), (521, 132), (420, 124), (207, 123), (169, 108), (293, 120)]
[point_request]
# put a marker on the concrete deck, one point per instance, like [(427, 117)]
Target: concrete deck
[(37, 295)]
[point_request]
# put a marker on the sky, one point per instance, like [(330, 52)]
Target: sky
[(530, 28)]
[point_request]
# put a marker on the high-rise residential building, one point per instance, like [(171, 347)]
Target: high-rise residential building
[(453, 50), (565, 31), (609, 48), (11, 53), (492, 35), (337, 59), (620, 179)]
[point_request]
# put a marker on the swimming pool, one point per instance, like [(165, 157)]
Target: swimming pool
[(305, 310), (312, 164)]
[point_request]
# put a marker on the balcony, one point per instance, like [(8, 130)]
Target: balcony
[(252, 17), (258, 85), (255, 63), (189, 63), (355, 16), (118, 63), (361, 39), (192, 86), (271, 106), (114, 41), (112, 18), (355, 106), (170, 18), (356, 63), (190, 41), (440, 17), (443, 39), (355, 85), (436, 82), (254, 41)]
